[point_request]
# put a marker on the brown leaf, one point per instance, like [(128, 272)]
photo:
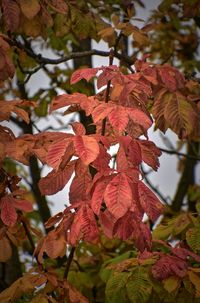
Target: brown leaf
[(11, 14), (29, 8), (59, 6), (5, 250)]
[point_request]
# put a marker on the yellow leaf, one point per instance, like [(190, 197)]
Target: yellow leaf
[(171, 283), (195, 279), (40, 298), (106, 32), (29, 8)]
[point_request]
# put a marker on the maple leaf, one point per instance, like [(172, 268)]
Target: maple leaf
[(86, 147), (56, 180), (118, 195), (149, 202), (168, 266)]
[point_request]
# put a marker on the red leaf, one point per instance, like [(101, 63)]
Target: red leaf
[(142, 237), (11, 14), (55, 181), (101, 111), (118, 195), (107, 221), (139, 117), (79, 187), (118, 118), (8, 212), (65, 100), (150, 153), (98, 193), (57, 151), (23, 205), (168, 266), (84, 226), (125, 226), (85, 73), (87, 148), (149, 202), (78, 128)]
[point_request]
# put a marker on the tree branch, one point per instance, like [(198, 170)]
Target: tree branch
[(107, 92), (174, 152), (69, 261)]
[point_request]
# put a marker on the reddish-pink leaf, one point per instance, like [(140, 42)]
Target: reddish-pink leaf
[(149, 202), (65, 100), (57, 151), (98, 193), (142, 236), (8, 212), (85, 73), (87, 148), (107, 221), (118, 119), (168, 266), (78, 128), (84, 226), (150, 153), (11, 14), (22, 204), (101, 163), (139, 117), (56, 180), (118, 195), (101, 111), (125, 226), (80, 187), (171, 77)]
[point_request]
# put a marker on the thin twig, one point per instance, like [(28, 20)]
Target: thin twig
[(154, 188), (174, 152), (27, 231), (107, 93), (69, 261)]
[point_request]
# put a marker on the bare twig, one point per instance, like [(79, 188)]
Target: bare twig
[(154, 188), (69, 261), (174, 152)]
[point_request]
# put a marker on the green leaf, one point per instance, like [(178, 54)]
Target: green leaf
[(139, 287), (193, 238), (115, 288)]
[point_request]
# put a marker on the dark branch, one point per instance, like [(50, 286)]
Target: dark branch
[(69, 261), (174, 152)]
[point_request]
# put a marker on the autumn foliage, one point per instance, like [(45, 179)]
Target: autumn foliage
[(115, 241)]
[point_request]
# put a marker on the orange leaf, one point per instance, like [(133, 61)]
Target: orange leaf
[(87, 148)]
